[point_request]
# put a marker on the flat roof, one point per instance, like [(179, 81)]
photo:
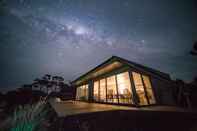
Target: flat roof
[(71, 108)]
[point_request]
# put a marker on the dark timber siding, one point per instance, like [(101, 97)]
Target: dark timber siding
[(163, 91)]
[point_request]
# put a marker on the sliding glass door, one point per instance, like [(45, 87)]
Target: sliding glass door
[(112, 96), (102, 90), (149, 90), (141, 100), (143, 89), (96, 91), (124, 88), (118, 89), (114, 89), (82, 92)]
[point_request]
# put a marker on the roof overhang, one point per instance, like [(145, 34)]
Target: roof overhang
[(114, 63), (104, 68)]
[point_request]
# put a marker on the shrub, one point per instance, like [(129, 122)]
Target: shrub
[(28, 117)]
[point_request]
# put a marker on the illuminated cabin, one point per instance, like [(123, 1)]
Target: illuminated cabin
[(119, 81)]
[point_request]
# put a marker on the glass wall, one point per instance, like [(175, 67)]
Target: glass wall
[(117, 89), (149, 91), (102, 90), (112, 95), (96, 91), (143, 89), (82, 92), (142, 100), (124, 88), (78, 92), (86, 91)]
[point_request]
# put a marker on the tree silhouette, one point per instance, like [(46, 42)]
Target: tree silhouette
[(38, 83), (2, 7), (58, 81), (49, 82), (194, 50), (1, 97), (46, 82), (26, 87), (195, 79)]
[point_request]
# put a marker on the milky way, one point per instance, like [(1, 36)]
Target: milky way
[(69, 37)]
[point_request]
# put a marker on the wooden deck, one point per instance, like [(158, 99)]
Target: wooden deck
[(80, 116), (69, 108)]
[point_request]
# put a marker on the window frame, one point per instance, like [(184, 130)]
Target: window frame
[(144, 87), (134, 94), (82, 91)]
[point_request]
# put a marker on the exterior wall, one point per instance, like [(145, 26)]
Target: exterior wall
[(163, 91)]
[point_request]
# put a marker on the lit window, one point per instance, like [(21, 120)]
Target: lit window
[(111, 90), (102, 90), (124, 88), (86, 91), (82, 92), (139, 89), (149, 90), (77, 93), (96, 90)]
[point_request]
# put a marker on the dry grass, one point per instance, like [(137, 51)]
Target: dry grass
[(27, 118)]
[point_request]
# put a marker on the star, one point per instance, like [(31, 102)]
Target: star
[(80, 30), (73, 30), (142, 41)]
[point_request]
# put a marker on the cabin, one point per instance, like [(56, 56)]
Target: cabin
[(122, 82)]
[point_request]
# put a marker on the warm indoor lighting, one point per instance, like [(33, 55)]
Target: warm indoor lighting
[(112, 95), (82, 92), (124, 88), (96, 90), (139, 89)]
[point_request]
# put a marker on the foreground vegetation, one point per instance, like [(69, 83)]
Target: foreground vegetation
[(27, 117)]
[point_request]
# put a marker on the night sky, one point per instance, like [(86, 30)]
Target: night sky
[(69, 37)]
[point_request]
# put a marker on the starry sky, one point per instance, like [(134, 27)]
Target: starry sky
[(69, 37)]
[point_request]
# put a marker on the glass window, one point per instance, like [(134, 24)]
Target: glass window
[(78, 93), (149, 90), (124, 88), (86, 91), (82, 92), (102, 90), (139, 89), (96, 90), (111, 90)]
